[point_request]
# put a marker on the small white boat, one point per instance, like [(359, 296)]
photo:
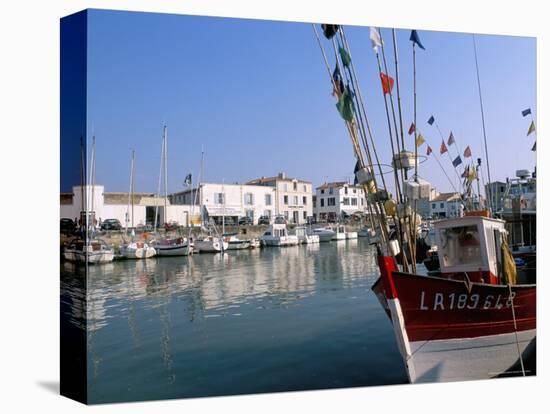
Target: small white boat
[(304, 237), (211, 244), (137, 250), (234, 243), (94, 251), (255, 243), (339, 233), (325, 234), (277, 235), (351, 235), (178, 246)]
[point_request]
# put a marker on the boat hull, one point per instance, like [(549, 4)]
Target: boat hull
[(449, 330), (238, 245), (89, 257), (208, 246), (137, 252), (280, 241), (175, 250)]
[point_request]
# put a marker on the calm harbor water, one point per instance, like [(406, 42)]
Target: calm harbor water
[(270, 320)]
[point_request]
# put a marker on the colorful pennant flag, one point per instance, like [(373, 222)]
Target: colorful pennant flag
[(431, 120), (443, 148), (375, 39), (188, 179), (526, 112), (329, 30), (419, 140), (467, 152), (345, 105), (387, 83), (457, 161), (344, 55), (412, 128), (451, 139), (415, 39), (473, 175), (429, 150), (338, 84), (534, 148), (466, 172), (531, 128)]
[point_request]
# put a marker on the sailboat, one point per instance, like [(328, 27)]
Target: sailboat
[(88, 248), (134, 249), (168, 246), (212, 243)]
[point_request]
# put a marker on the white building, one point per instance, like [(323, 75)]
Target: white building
[(333, 200), (230, 200), (293, 198), (115, 206), (447, 205)]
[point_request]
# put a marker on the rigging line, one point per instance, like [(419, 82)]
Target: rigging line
[(362, 106), (356, 91), (442, 169), (448, 152), (488, 196), (399, 149), (397, 86)]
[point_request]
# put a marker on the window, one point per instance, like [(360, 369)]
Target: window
[(322, 202), (305, 215), (362, 201), (268, 199), (219, 198), (286, 215), (353, 201), (295, 186), (285, 200), (460, 246), (433, 205), (441, 205), (295, 200), (249, 199), (346, 190), (267, 213), (346, 201), (323, 191), (354, 191), (304, 201), (305, 188), (330, 190), (331, 201)]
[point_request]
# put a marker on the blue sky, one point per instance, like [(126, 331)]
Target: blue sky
[(256, 95)]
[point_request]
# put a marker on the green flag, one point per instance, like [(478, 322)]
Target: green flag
[(345, 105), (344, 55), (531, 128)]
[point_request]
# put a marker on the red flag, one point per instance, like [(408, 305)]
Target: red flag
[(451, 139), (412, 128), (467, 152), (429, 150), (387, 82), (443, 148)]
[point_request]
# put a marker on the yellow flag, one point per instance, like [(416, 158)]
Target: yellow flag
[(531, 128), (473, 174), (420, 140)]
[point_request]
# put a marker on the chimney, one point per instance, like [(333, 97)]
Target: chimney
[(282, 175)]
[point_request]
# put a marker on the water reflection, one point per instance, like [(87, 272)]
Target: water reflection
[(187, 311)]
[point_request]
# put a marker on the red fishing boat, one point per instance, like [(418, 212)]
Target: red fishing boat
[(472, 321)]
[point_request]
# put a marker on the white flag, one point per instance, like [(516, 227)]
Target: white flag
[(375, 39)]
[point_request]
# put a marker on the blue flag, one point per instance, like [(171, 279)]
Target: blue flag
[(188, 179), (457, 161), (415, 39), (526, 112), (431, 120)]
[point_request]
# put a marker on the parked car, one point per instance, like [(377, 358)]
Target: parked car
[(264, 220), (311, 220), (246, 221), (171, 226), (280, 220), (147, 227), (111, 224), (67, 226)]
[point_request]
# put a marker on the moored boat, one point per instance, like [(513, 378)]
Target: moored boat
[(234, 243), (211, 244), (176, 246), (304, 237), (277, 235), (92, 252), (325, 234), (472, 321)]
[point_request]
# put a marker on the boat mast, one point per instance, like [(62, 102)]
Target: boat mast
[(159, 183), (165, 175), (92, 174), (132, 183)]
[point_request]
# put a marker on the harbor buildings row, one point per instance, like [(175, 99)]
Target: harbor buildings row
[(265, 198)]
